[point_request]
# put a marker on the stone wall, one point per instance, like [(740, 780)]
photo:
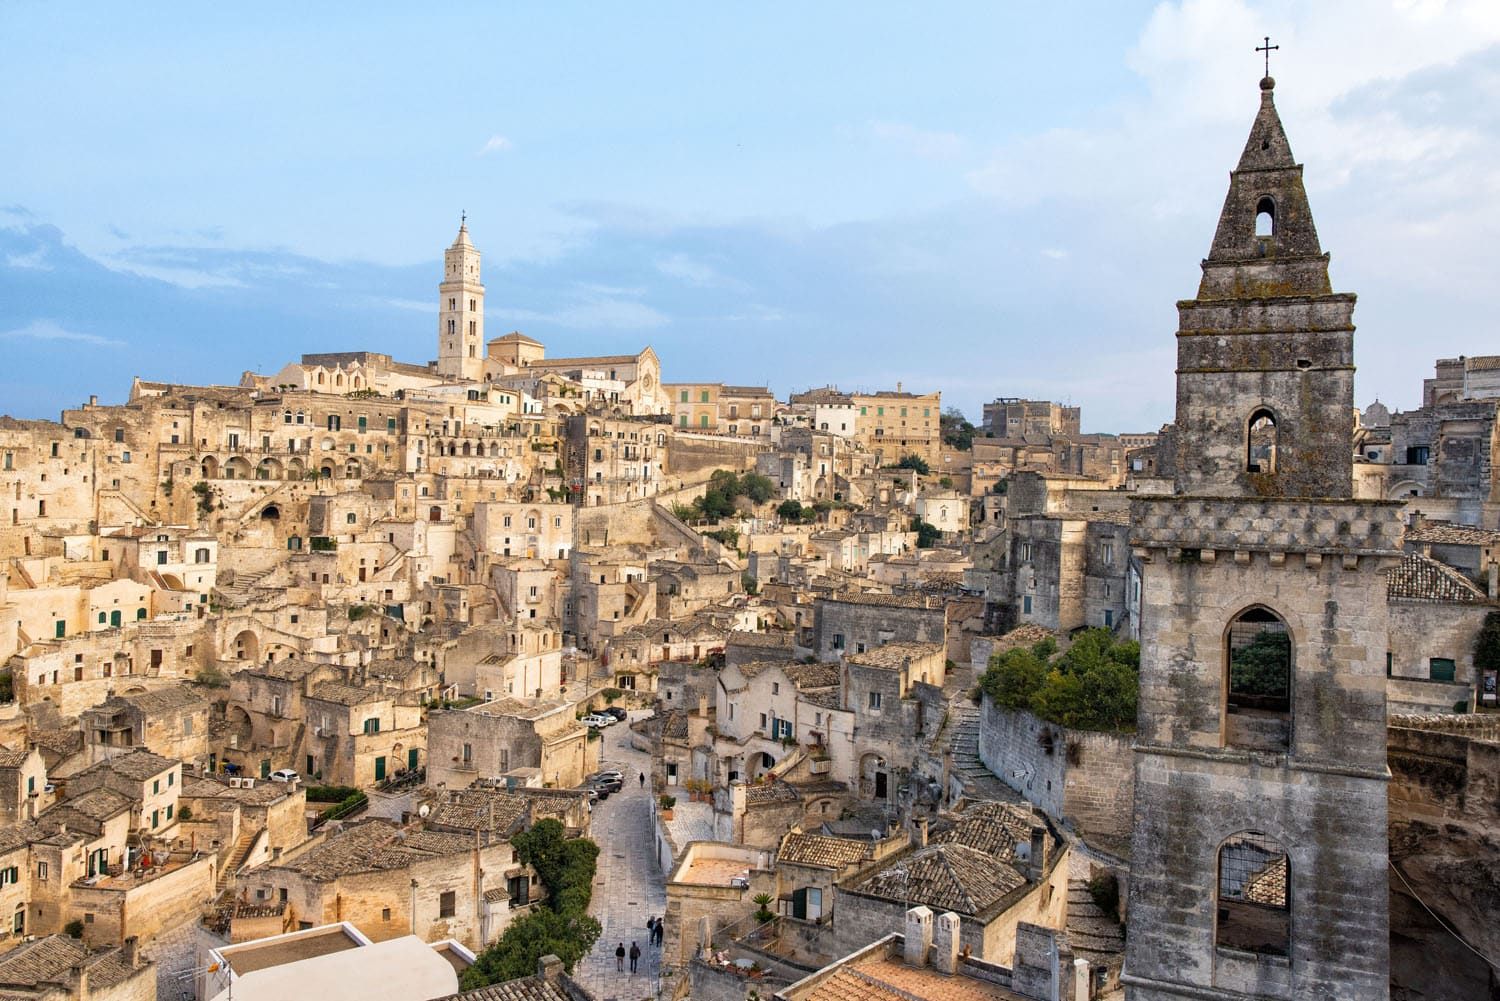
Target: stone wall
[(1079, 777), (123, 906)]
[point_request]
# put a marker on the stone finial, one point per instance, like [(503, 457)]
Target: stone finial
[(918, 937)]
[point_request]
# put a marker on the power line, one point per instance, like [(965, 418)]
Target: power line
[(1440, 921)]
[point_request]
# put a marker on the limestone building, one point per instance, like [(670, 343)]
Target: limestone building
[(1259, 847)]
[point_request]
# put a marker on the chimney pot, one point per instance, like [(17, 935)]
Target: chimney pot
[(549, 967), (918, 938), (945, 942), (1038, 853), (130, 951)]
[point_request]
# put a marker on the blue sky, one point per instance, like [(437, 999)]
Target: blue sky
[(987, 199)]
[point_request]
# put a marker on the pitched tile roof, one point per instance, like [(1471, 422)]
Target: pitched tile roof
[(346, 695), (374, 845), (990, 827), (800, 848), (13, 758), (811, 676), (1447, 533), (1420, 578), (50, 959), (524, 989), (139, 765), (952, 877)]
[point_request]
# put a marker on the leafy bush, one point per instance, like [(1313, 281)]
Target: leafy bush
[(667, 802), (74, 928), (330, 794), (1105, 889), (610, 694), (724, 488), (729, 536), (789, 510)]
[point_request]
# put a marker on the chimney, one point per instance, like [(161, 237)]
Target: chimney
[(93, 400), (702, 706), (549, 967), (1038, 867), (918, 935), (706, 935), (919, 832), (1494, 575), (129, 951), (78, 979), (945, 943)]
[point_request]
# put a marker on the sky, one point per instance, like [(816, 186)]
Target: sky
[(987, 199)]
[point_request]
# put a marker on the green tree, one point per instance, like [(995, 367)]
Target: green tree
[(1262, 667), (927, 534), (757, 487), (566, 867), (1014, 677), (915, 462), (958, 433), (1487, 644), (789, 510)]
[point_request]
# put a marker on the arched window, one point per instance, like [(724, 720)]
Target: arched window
[(1254, 909), (1265, 217), (286, 418), (1260, 442), (1258, 681)]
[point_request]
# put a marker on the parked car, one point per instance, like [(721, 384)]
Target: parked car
[(607, 782), (598, 720), (613, 774), (284, 775), (619, 714)]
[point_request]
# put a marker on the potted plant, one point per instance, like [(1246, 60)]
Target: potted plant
[(667, 802), (763, 907)]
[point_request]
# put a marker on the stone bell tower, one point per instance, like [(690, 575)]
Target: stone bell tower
[(461, 311), (1259, 849)]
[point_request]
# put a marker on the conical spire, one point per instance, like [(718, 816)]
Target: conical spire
[(1266, 243), (1267, 148), (462, 239)]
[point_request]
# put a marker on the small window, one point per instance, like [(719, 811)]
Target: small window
[(1260, 442), (447, 904), (875, 700), (1265, 217), (1254, 891), (1441, 669)]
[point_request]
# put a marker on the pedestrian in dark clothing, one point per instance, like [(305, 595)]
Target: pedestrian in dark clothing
[(620, 958), (643, 780), (635, 956), (660, 931)]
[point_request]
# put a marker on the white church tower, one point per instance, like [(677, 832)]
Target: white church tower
[(461, 311)]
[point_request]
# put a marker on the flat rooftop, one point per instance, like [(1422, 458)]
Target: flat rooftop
[(712, 871), (252, 956)]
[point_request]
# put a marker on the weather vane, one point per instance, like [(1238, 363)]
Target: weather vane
[(1267, 48)]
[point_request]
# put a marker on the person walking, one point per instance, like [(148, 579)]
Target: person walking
[(643, 780), (660, 932), (635, 956), (620, 958)]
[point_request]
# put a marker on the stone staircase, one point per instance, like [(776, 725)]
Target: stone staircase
[(236, 859), (963, 740), (239, 593)]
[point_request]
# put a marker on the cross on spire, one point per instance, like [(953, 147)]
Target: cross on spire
[(1267, 48), (463, 214)]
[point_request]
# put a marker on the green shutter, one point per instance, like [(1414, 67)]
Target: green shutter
[(1441, 669)]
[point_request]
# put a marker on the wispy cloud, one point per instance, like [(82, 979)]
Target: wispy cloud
[(48, 330), (920, 142), (35, 260), (495, 144), (1055, 254)]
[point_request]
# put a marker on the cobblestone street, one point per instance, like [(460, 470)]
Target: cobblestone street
[(627, 890)]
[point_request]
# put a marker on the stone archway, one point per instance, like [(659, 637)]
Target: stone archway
[(246, 645)]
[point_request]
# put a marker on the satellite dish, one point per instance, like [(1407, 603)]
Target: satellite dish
[(423, 810)]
